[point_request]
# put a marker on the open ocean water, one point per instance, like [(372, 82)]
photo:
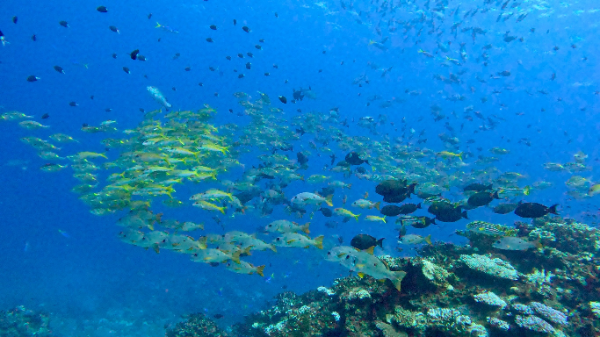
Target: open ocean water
[(509, 86)]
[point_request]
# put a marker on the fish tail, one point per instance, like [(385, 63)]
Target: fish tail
[(377, 205), (221, 209), (526, 190), (328, 200), (319, 241), (380, 242), (383, 219), (552, 209), (356, 217), (419, 205), (464, 215), (397, 280), (305, 228), (235, 257), (260, 270), (158, 25), (428, 239), (202, 242), (273, 248)]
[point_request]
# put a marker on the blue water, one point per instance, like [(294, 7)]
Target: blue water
[(93, 284)]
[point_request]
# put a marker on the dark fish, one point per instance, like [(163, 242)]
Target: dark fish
[(452, 215), (114, 55), (73, 104), (176, 56), (33, 37), (102, 9), (241, 76), (64, 24), (261, 40), (213, 27), (326, 212), (391, 210), (218, 316), (259, 47), (482, 198), (248, 65), (134, 54), (187, 68), (395, 198), (353, 159), (125, 69), (114, 29), (276, 15), (331, 224), (32, 78), (302, 159), (416, 222), (208, 39), (59, 69), (477, 187), (15, 19), (267, 74), (250, 54), (534, 210), (366, 242), (234, 22), (246, 29), (228, 58), (504, 208), (283, 99), (149, 16), (329, 190), (141, 58), (45, 116), (409, 208)]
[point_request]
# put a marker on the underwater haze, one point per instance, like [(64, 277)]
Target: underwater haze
[(147, 146)]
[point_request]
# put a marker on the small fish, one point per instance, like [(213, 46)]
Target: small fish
[(246, 29), (414, 239), (15, 19), (102, 9), (63, 233), (281, 98), (33, 78), (59, 69), (514, 243), (134, 54), (158, 96), (213, 27), (114, 29), (125, 69), (64, 24), (208, 39)]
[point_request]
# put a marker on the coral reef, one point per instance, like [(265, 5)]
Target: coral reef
[(21, 322), (197, 325), (451, 290)]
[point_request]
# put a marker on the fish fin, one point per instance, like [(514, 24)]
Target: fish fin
[(235, 257), (151, 227), (361, 274), (305, 229), (384, 219), (202, 242), (156, 249), (260, 270), (419, 205), (289, 242), (464, 215), (526, 190), (328, 200), (495, 195), (348, 186), (273, 248), (380, 242), (370, 250), (221, 209), (397, 281), (428, 239), (552, 209), (319, 241), (377, 205)]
